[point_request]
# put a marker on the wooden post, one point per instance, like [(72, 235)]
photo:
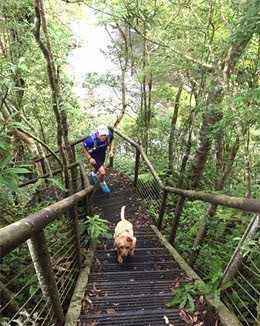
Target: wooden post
[(42, 263), (44, 171), (237, 259), (111, 162), (73, 152), (87, 202), (176, 219), (137, 163), (43, 165), (162, 209)]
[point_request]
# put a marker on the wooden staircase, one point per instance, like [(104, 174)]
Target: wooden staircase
[(135, 292)]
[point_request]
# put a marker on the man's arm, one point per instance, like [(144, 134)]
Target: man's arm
[(89, 157)]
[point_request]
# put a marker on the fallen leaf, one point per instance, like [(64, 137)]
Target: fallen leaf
[(201, 299), (95, 289), (94, 323), (88, 300), (177, 285), (166, 320), (185, 317), (110, 311)]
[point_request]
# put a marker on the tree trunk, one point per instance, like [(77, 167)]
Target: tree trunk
[(123, 65), (223, 173), (60, 115), (8, 298), (173, 127), (27, 140), (215, 97)]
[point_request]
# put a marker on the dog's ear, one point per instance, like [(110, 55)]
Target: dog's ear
[(116, 242), (129, 239)]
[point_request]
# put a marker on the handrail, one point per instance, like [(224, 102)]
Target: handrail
[(30, 225), (31, 228), (57, 151), (46, 175), (246, 204), (35, 222)]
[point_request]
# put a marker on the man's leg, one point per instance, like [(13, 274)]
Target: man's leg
[(101, 174)]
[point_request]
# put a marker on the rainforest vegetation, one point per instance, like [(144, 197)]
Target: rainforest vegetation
[(183, 82)]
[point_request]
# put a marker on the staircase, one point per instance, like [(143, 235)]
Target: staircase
[(136, 291)]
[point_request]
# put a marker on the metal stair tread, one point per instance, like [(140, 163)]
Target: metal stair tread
[(134, 266), (150, 251), (144, 258), (174, 313)]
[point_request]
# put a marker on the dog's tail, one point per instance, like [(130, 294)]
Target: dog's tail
[(123, 213)]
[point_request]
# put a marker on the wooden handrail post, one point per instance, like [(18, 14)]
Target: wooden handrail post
[(42, 263), (111, 162), (162, 209), (176, 219), (44, 171), (42, 162), (73, 152), (137, 164)]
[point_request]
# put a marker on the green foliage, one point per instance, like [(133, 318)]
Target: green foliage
[(249, 246), (9, 173), (9, 176), (185, 296), (97, 228)]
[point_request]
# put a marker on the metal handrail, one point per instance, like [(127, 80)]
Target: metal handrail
[(246, 204), (16, 233)]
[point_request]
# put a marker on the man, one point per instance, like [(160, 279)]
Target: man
[(94, 147)]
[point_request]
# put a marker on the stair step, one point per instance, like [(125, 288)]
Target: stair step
[(147, 288), (120, 300), (117, 204), (133, 276), (116, 267), (138, 318), (141, 244), (138, 251), (114, 194), (135, 259)]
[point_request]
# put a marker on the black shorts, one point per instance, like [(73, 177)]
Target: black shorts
[(100, 159)]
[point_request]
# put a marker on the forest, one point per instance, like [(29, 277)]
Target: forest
[(181, 78)]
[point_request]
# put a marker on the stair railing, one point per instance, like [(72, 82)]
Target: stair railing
[(43, 276), (158, 198)]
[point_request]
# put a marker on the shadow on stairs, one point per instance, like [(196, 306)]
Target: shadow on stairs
[(135, 292)]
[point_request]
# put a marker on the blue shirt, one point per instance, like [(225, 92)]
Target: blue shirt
[(96, 146)]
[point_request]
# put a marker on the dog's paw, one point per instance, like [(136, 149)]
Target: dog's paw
[(120, 259)]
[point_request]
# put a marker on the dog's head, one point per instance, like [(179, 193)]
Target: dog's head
[(124, 244)]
